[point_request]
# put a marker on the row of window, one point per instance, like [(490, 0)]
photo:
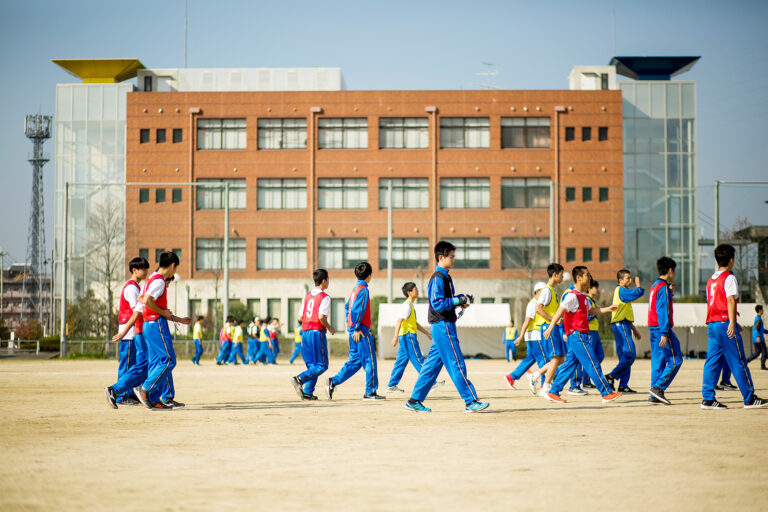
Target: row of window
[(160, 135), (586, 194), (586, 254), (394, 133)]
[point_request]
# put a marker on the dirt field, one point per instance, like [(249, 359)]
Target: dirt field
[(245, 442)]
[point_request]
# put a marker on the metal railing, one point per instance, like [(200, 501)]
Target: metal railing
[(16, 346)]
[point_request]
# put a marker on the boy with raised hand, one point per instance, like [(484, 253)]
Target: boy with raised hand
[(508, 338), (296, 343), (362, 350), (555, 347), (666, 357), (445, 349), (162, 357), (406, 329), (575, 311), (315, 311), (594, 328), (758, 338), (197, 335), (724, 335), (622, 324), (535, 352), (237, 343), (132, 365)]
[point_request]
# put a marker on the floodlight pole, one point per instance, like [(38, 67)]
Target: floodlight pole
[(390, 297), (64, 261), (717, 213), (226, 250)]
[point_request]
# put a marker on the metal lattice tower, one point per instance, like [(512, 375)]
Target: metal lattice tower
[(37, 128)]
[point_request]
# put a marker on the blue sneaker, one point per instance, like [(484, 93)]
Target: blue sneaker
[(477, 406), (417, 407)]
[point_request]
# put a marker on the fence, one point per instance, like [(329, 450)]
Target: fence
[(16, 346)]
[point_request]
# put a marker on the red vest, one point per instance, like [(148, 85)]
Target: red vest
[(717, 302), (366, 320), (161, 302), (309, 317), (653, 317), (578, 321), (125, 312), (223, 334)]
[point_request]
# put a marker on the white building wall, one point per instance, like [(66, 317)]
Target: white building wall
[(242, 79)]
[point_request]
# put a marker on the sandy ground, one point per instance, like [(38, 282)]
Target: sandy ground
[(245, 442)]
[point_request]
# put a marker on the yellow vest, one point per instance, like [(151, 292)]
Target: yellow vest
[(238, 335), (594, 325), (198, 332), (297, 336), (549, 309), (532, 323), (625, 309), (409, 325), (263, 336), (510, 333)]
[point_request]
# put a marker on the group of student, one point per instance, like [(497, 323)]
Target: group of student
[(263, 342)]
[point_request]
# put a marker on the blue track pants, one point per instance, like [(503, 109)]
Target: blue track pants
[(314, 351), (362, 354), (408, 350), (720, 345)]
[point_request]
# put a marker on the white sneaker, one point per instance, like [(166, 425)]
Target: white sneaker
[(544, 390), (394, 389), (533, 382), (438, 383)]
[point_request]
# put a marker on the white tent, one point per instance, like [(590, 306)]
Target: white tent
[(693, 315), (479, 329)]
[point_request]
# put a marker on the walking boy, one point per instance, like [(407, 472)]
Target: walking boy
[(405, 334), (315, 310), (362, 351), (622, 324), (508, 338), (594, 328), (724, 335), (445, 349), (758, 338), (265, 344), (535, 352), (253, 340), (555, 347), (296, 343), (225, 340), (666, 357), (237, 343), (197, 334)]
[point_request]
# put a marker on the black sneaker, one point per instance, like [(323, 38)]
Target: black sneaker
[(755, 403), (653, 400), (626, 389), (307, 396), (111, 397), (161, 406), (658, 394), (143, 397), (713, 404), (129, 401), (330, 388), (728, 386), (297, 386), (174, 404), (373, 396), (610, 379), (590, 386), (718, 387)]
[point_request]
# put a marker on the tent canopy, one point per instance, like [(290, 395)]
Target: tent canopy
[(477, 315), (693, 315)]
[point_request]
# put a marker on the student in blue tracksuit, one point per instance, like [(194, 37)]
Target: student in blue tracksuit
[(445, 349), (508, 338), (265, 344), (225, 341), (362, 348), (666, 357), (758, 338), (623, 326), (253, 340), (547, 304), (274, 337), (296, 343), (197, 335), (594, 334), (535, 352)]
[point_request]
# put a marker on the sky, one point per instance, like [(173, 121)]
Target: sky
[(400, 45)]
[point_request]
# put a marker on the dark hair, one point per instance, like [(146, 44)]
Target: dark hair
[(319, 275), (724, 253), (578, 271), (230, 318), (665, 264), (199, 318), (363, 270), (241, 321), (300, 322), (621, 273), (167, 259), (554, 268), (594, 284), (407, 287), (266, 320), (444, 249), (758, 308), (138, 264)]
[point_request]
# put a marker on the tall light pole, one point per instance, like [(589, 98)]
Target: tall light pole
[(226, 250), (390, 295), (3, 254)]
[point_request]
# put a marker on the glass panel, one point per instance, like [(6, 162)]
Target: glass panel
[(658, 143), (94, 102), (673, 135), (689, 100), (63, 103), (628, 99), (658, 108), (642, 135), (673, 100), (643, 101), (673, 171), (688, 136), (524, 253)]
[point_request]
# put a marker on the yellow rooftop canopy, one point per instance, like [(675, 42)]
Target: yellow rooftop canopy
[(101, 71)]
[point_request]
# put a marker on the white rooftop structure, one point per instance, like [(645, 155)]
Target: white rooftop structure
[(592, 78), (240, 79)]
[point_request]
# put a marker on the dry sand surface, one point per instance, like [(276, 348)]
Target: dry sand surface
[(245, 442)]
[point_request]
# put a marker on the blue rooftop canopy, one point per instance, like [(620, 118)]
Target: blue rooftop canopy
[(652, 68)]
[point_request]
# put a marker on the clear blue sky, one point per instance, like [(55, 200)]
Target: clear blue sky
[(399, 45)]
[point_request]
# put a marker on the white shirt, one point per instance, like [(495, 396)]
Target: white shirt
[(131, 295), (570, 303), (545, 297), (198, 332), (155, 290), (325, 304), (731, 286), (530, 312), (405, 311)]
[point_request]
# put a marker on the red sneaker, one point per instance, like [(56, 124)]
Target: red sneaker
[(555, 398), (510, 381), (610, 397)]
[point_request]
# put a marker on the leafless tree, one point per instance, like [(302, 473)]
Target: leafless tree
[(745, 262), (106, 239)]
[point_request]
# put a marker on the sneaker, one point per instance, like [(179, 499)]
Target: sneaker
[(161, 406), (544, 390), (609, 378), (713, 404), (373, 396), (532, 383), (658, 394), (438, 383), (129, 401), (416, 406), (143, 397), (610, 397), (626, 389), (307, 396), (297, 386), (394, 389), (476, 406), (728, 386), (589, 385), (755, 403), (174, 404), (653, 400), (718, 387), (510, 381), (577, 391), (329, 388), (111, 397), (555, 398)]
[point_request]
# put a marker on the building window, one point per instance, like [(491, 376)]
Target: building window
[(403, 132), (221, 134), (604, 81), (143, 136), (465, 132), (342, 193), (337, 320), (274, 308), (525, 132), (143, 195), (176, 195), (282, 253), (465, 193), (210, 253), (570, 133), (586, 133), (144, 253), (212, 198), (603, 194), (570, 194), (276, 194), (570, 254), (177, 252), (195, 309), (283, 133), (586, 254), (524, 193), (148, 83), (406, 253), (407, 193), (176, 135), (160, 135), (586, 194), (472, 252), (342, 133), (294, 315), (254, 306), (604, 254), (524, 253), (158, 252), (602, 133), (159, 195), (341, 253)]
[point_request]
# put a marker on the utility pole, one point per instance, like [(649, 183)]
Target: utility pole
[(3, 254), (226, 250), (390, 297), (64, 277)]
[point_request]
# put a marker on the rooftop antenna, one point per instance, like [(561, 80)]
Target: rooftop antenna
[(613, 26), (186, 24), (489, 74)]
